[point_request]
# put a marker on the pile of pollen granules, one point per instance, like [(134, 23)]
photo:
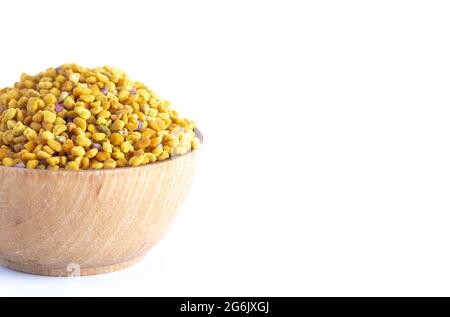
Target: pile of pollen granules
[(71, 117)]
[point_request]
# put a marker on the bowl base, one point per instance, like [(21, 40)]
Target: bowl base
[(72, 270)]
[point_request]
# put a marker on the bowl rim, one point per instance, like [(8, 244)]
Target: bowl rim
[(197, 132)]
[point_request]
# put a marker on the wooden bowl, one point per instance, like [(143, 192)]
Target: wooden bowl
[(86, 222)]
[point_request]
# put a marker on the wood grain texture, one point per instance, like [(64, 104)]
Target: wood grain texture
[(99, 220)]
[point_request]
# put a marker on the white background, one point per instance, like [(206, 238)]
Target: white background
[(326, 165)]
